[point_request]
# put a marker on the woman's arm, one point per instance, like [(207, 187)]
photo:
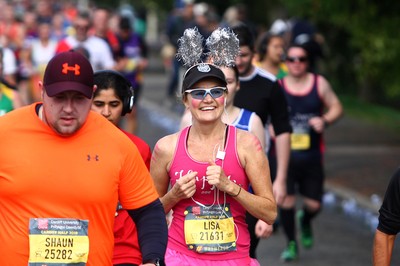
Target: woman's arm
[(261, 204), (161, 161), (334, 109)]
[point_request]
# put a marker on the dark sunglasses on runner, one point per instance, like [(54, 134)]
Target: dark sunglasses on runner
[(200, 93), (301, 59)]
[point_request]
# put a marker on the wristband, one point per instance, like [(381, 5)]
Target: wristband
[(234, 196), (326, 123)]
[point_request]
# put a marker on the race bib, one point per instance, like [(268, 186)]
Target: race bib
[(58, 242), (300, 141), (210, 229)]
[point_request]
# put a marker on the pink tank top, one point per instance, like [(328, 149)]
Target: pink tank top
[(183, 163)]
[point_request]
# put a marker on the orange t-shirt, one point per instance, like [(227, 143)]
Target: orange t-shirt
[(44, 175)]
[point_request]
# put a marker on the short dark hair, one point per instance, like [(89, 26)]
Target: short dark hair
[(244, 34), (295, 45), (109, 80), (84, 15), (263, 42), (125, 23), (236, 70)]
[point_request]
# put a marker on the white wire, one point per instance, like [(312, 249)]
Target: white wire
[(216, 197)]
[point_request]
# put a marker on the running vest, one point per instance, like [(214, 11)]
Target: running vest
[(305, 142), (243, 119), (183, 163)]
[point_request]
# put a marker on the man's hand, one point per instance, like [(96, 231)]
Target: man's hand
[(262, 229), (279, 190)]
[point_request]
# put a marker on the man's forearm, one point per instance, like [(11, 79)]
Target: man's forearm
[(383, 247), (152, 230), (282, 155)]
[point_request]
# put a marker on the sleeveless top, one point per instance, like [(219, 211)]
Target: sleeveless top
[(243, 119), (306, 144), (183, 163)]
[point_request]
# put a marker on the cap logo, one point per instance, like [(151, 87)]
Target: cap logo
[(75, 68), (205, 68)]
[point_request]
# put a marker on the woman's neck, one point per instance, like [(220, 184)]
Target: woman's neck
[(207, 131), (301, 79)]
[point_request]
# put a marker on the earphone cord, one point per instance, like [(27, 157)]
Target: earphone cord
[(216, 198), (214, 157)]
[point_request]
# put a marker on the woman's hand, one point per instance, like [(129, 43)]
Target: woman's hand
[(215, 176), (185, 187), (317, 123)]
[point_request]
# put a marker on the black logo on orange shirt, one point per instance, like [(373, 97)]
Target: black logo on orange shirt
[(93, 158), (75, 69)]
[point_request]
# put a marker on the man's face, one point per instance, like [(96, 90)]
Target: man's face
[(275, 50), (100, 20), (124, 34), (66, 112), (108, 105), (81, 26), (244, 61)]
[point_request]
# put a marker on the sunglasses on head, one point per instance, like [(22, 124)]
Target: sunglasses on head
[(301, 59), (200, 93)]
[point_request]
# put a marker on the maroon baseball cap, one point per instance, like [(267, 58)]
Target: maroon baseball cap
[(68, 71)]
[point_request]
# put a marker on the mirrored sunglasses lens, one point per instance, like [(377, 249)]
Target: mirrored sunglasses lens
[(198, 94), (297, 59), (216, 93)]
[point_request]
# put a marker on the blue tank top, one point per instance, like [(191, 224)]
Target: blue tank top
[(306, 144), (243, 119), (243, 122)]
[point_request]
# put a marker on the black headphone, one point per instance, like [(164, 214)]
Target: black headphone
[(128, 99), (263, 43)]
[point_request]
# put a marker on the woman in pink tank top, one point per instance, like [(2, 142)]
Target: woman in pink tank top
[(202, 174)]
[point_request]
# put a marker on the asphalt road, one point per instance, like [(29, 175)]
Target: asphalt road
[(343, 231)]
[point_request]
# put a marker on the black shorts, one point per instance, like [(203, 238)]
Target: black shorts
[(307, 178)]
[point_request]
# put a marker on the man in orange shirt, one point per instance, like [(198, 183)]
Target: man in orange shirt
[(63, 170), (113, 99)]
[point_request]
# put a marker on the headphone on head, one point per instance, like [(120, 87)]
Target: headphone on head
[(128, 99), (263, 43)]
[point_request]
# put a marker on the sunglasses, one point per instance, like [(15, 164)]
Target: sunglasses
[(301, 59), (200, 94), (81, 27)]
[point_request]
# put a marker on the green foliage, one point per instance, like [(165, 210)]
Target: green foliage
[(361, 44), (366, 32), (377, 114)]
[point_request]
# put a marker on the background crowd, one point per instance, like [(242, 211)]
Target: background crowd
[(33, 32)]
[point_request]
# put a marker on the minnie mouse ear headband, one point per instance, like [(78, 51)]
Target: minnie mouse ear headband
[(223, 48)]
